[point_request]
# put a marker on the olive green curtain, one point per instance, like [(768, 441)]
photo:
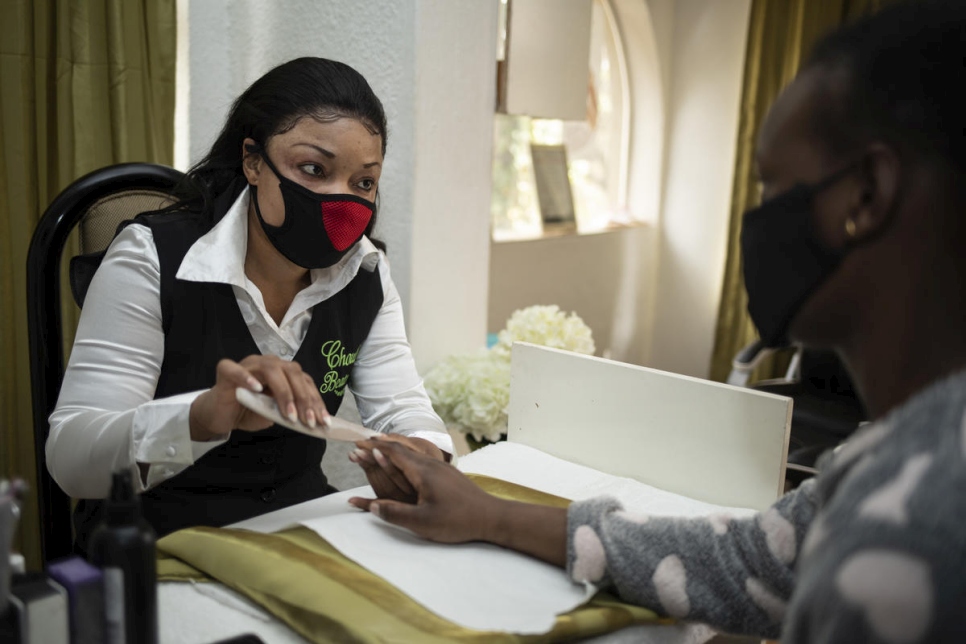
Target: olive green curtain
[(780, 35), (83, 84)]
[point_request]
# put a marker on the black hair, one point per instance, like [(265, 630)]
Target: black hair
[(305, 87), (900, 74)]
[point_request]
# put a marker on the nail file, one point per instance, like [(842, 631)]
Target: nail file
[(336, 429)]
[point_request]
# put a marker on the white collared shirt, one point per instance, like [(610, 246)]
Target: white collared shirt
[(106, 416)]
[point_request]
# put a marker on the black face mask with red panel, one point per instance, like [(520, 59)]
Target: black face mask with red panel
[(319, 229)]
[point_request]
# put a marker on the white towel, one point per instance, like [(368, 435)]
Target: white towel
[(535, 469)]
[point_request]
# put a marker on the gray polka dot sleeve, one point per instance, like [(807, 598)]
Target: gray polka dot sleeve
[(871, 550), (734, 574)]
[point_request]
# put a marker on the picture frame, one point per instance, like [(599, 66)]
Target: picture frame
[(554, 193)]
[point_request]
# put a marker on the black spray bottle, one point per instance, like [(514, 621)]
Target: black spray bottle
[(122, 545)]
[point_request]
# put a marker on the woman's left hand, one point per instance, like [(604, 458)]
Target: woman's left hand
[(387, 481)]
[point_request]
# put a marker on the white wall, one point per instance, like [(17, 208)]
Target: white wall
[(706, 73), (605, 278), (662, 20), (453, 147), (437, 164), (643, 36)]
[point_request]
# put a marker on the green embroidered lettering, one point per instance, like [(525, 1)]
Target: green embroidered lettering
[(336, 356), (333, 382)]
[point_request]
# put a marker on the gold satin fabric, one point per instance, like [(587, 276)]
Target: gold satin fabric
[(303, 581), (83, 84), (780, 35)]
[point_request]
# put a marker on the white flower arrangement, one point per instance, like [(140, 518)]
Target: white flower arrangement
[(547, 326), (470, 392)]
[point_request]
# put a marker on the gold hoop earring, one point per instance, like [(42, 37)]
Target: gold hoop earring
[(850, 228)]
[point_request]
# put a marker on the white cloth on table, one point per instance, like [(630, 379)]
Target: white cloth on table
[(538, 470), (461, 582), (207, 612)]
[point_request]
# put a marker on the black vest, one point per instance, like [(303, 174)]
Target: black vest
[(254, 472)]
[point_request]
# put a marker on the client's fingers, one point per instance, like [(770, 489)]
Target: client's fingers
[(401, 514), (447, 506), (382, 484), (418, 445), (363, 457), (409, 463), (393, 472)]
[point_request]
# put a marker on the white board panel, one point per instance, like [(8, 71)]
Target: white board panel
[(712, 442)]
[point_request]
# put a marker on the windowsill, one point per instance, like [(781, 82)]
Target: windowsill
[(555, 232)]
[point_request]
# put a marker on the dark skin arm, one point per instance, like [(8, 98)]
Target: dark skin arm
[(449, 508)]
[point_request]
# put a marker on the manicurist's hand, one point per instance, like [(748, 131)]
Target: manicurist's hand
[(386, 479), (217, 412), (451, 509)]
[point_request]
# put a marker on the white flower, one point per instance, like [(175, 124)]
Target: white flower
[(547, 326), (472, 391)]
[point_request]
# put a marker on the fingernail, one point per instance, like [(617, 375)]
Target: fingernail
[(375, 509), (254, 385), (358, 453), (292, 414), (353, 457), (310, 416), (379, 456)]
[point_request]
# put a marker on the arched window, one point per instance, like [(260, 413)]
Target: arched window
[(597, 147)]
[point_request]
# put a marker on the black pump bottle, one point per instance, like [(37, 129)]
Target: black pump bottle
[(122, 545)]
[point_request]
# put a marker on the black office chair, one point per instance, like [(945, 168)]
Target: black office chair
[(96, 204), (826, 408)]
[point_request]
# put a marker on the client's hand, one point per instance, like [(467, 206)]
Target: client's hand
[(386, 479), (445, 505), (450, 508), (217, 412)]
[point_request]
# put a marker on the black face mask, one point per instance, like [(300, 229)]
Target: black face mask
[(784, 259), (318, 229)]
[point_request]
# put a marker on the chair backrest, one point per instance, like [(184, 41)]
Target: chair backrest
[(712, 442), (97, 202)]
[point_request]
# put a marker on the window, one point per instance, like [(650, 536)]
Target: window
[(596, 147)]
